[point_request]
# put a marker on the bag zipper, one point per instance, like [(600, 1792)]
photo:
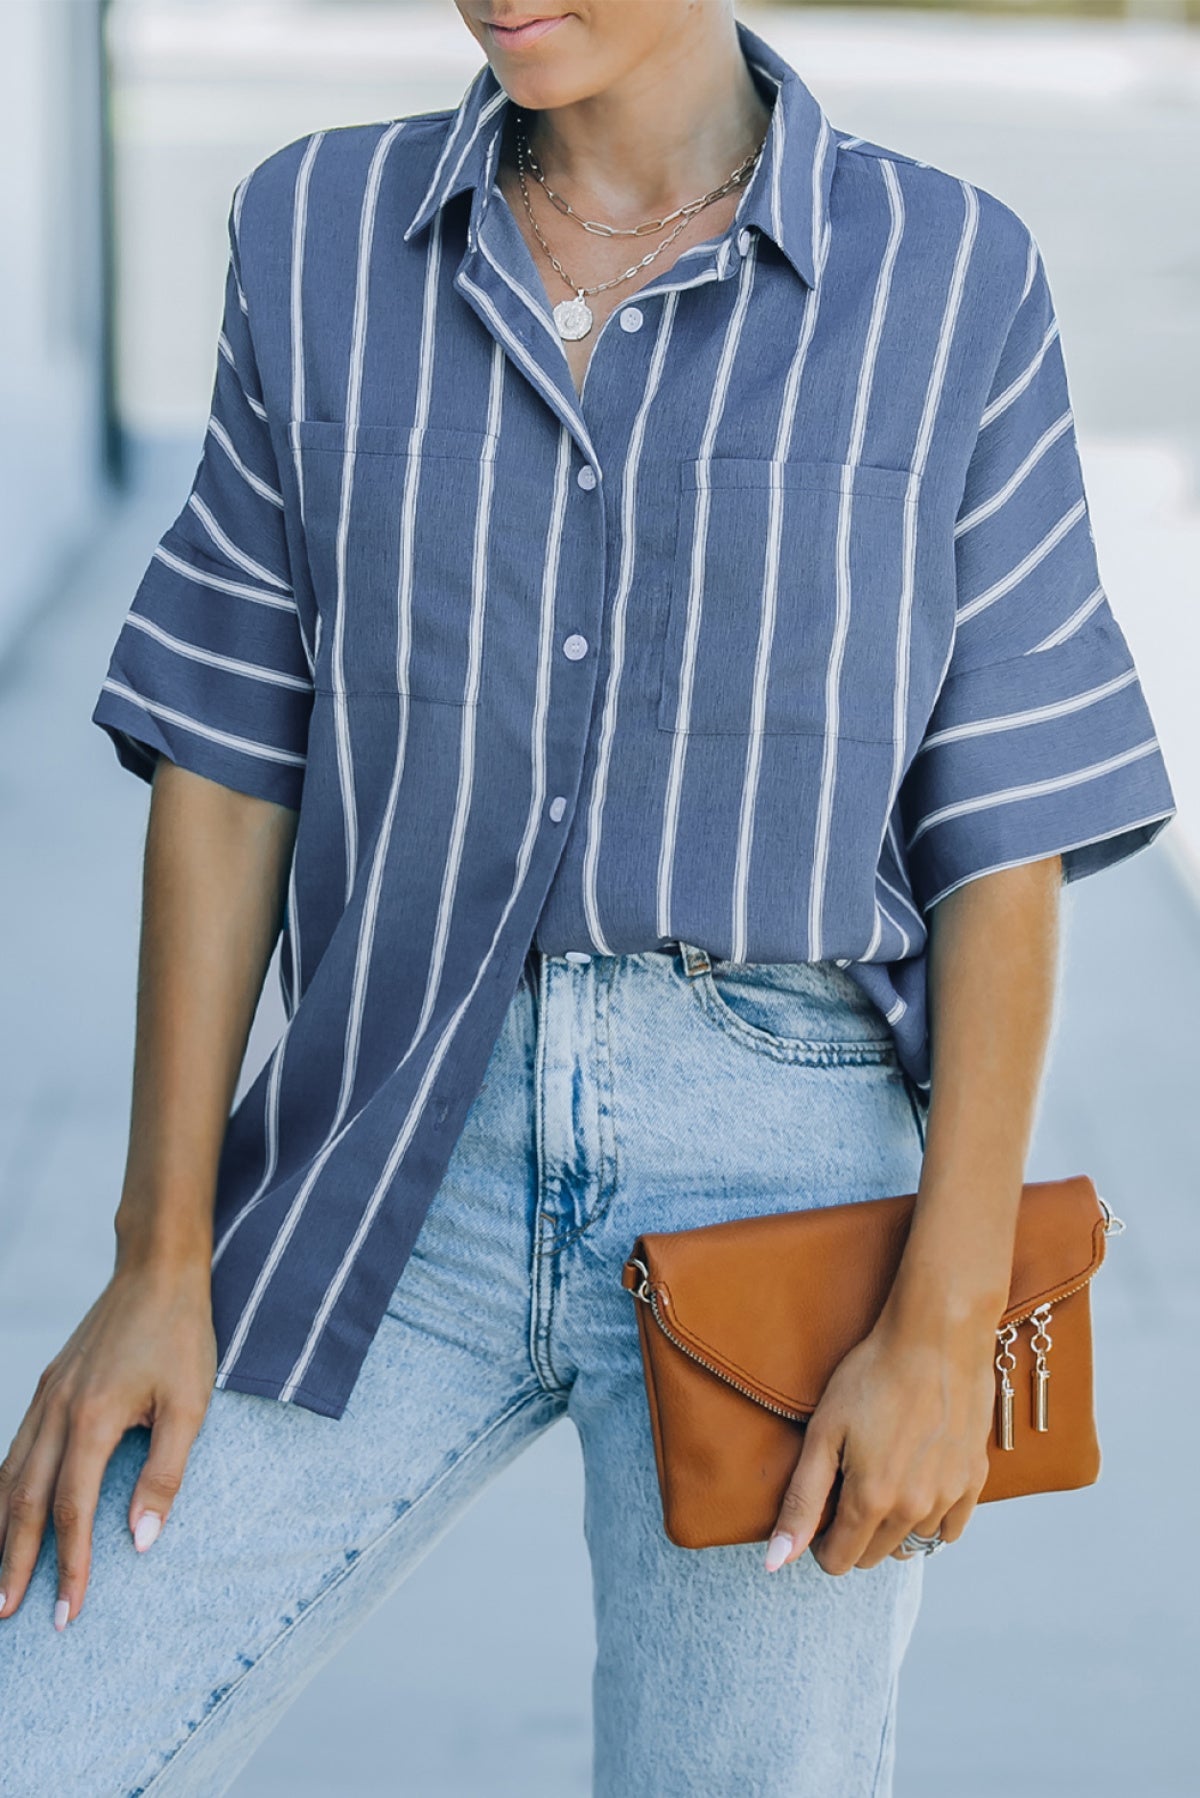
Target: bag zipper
[(649, 1296), (1113, 1226)]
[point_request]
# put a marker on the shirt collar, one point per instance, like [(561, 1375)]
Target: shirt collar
[(787, 197)]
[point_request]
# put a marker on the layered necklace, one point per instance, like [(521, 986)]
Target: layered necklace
[(574, 316)]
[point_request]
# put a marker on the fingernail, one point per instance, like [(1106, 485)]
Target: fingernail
[(778, 1550), (61, 1610), (146, 1529), (3, 1596)]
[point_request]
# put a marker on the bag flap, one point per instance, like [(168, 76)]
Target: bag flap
[(776, 1302)]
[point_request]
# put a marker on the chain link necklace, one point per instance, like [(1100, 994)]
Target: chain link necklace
[(574, 316)]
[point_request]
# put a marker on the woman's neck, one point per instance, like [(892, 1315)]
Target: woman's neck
[(625, 157)]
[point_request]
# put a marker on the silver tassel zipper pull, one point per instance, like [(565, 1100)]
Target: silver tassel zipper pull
[(1006, 1362), (1040, 1342)]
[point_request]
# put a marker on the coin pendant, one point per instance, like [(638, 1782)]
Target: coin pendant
[(573, 318)]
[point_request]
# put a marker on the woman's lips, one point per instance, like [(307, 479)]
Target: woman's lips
[(512, 37)]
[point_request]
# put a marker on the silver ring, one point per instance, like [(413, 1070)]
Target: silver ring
[(926, 1544)]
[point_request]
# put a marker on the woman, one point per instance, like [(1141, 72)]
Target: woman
[(661, 745)]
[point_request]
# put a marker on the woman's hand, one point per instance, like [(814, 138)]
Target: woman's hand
[(907, 1413), (144, 1354), (906, 1416)]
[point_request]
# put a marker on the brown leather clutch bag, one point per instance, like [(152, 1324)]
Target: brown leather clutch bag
[(742, 1324)]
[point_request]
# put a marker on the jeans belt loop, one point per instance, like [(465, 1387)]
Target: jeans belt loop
[(695, 961)]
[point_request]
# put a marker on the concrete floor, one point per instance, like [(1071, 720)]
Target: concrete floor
[(1060, 1634)]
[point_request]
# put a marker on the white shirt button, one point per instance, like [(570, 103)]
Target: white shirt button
[(586, 476), (557, 807), (576, 955), (631, 318), (744, 240), (576, 647)]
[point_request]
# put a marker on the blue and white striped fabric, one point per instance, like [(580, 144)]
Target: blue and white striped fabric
[(787, 628)]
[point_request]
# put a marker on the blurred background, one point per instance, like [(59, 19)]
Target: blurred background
[(1058, 1644)]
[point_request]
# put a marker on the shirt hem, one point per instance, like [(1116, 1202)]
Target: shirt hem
[(258, 1387)]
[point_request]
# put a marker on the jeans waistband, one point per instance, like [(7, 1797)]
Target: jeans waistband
[(692, 959), (696, 959)]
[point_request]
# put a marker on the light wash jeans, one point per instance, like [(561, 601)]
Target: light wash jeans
[(625, 1093)]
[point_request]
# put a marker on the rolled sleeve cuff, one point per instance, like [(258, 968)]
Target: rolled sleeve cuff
[(1051, 752), (142, 728)]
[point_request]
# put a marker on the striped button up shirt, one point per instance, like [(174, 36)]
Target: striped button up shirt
[(785, 628)]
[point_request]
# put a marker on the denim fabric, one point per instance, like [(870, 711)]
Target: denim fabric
[(624, 1093)]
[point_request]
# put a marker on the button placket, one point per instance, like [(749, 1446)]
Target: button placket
[(575, 646)]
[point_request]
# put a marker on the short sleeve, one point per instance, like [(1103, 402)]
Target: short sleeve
[(210, 666), (1040, 740)]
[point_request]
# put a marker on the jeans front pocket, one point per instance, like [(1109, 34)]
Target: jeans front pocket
[(919, 1106), (808, 1012)]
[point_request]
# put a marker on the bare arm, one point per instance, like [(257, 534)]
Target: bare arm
[(907, 1412), (215, 874), (993, 963), (212, 907)]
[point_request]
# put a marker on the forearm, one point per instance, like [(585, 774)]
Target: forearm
[(992, 974), (215, 873)]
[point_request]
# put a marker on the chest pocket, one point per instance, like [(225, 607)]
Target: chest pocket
[(390, 531), (781, 571)]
